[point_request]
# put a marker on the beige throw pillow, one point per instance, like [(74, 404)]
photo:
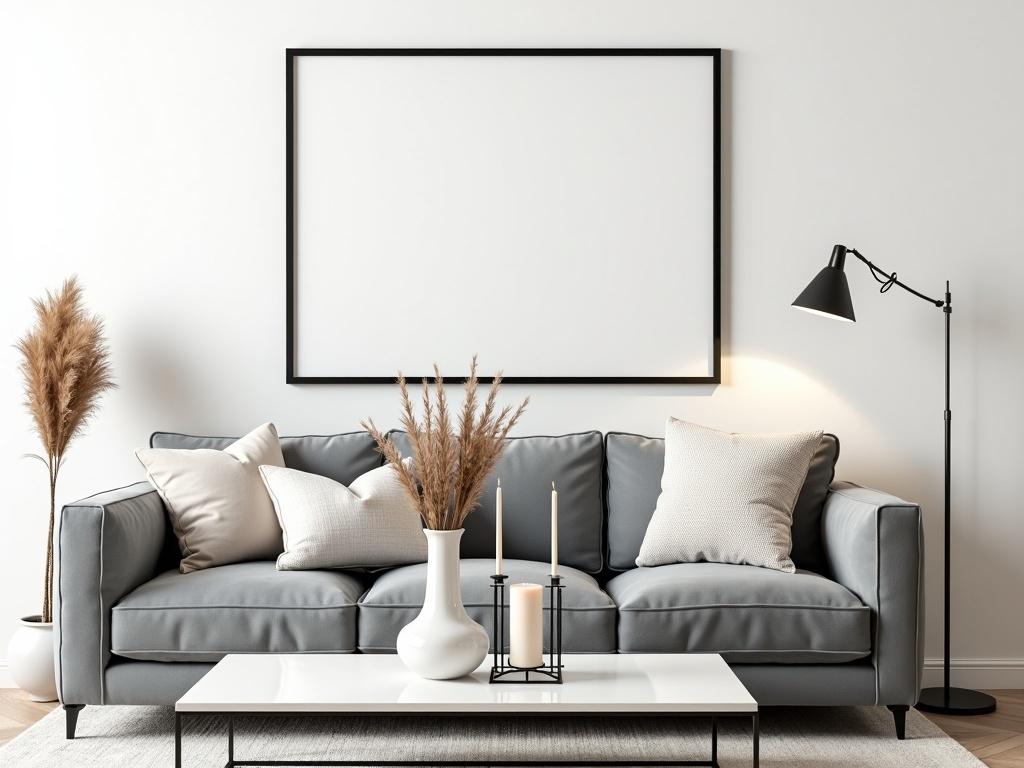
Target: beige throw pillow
[(727, 498), (219, 509), (370, 524)]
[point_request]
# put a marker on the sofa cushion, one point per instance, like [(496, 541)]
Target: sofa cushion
[(588, 614), (728, 497), (526, 468), (371, 523), (749, 615), (217, 504), (634, 466), (342, 457), (240, 608)]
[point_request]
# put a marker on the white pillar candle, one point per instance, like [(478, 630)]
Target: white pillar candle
[(497, 530), (554, 530), (526, 625)]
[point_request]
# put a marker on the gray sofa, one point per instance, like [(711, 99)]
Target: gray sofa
[(843, 630)]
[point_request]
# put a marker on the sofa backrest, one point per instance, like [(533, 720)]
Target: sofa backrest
[(587, 468), (526, 468), (341, 457), (634, 465)]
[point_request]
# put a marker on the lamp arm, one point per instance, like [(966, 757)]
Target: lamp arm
[(890, 279)]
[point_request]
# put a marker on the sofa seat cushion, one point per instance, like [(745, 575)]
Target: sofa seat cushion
[(749, 615), (239, 608), (395, 599)]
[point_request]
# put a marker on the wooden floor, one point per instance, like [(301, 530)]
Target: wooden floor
[(17, 713), (997, 739)]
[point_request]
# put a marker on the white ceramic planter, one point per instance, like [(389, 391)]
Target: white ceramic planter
[(30, 659), (442, 643)]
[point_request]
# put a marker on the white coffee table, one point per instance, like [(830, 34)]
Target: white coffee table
[(683, 685)]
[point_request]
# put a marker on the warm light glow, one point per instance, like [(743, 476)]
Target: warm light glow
[(823, 314), (770, 394)]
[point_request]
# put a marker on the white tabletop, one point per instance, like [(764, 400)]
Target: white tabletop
[(355, 683)]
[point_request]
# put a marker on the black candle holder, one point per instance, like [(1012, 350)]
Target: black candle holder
[(504, 672)]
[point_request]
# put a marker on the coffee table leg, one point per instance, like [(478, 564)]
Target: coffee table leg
[(231, 741), (714, 741), (177, 740), (757, 745)]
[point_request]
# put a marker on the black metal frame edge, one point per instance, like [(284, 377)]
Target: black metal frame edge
[(289, 193), (472, 763), (514, 51), (716, 379), (292, 53), (712, 763)]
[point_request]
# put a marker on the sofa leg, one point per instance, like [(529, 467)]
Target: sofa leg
[(899, 715), (71, 718)]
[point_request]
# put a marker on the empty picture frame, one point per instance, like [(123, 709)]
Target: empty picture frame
[(556, 211)]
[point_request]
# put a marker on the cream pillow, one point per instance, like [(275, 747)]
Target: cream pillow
[(219, 509), (727, 498), (370, 524)]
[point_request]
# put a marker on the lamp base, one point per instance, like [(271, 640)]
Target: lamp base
[(955, 701)]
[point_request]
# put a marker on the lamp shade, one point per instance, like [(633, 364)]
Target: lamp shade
[(829, 293)]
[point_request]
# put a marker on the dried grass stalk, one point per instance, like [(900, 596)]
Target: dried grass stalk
[(450, 465), (66, 367)]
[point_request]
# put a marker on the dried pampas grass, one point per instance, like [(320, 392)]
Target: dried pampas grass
[(450, 462), (66, 367)]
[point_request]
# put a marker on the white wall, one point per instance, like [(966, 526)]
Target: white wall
[(143, 149)]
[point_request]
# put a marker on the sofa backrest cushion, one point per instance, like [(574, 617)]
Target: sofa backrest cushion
[(634, 466), (342, 457), (526, 468)]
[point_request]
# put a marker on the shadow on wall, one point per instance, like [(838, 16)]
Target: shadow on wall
[(725, 212), (160, 380)]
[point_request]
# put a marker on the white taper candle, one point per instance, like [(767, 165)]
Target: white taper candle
[(554, 530), (497, 529)]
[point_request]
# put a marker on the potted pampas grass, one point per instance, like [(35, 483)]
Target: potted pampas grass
[(452, 457), (66, 368)]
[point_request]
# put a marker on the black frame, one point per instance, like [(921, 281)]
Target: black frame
[(502, 670), (710, 763), (290, 56)]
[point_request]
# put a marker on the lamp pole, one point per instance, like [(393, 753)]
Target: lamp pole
[(947, 417), (829, 294)]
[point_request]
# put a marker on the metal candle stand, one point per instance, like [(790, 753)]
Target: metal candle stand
[(504, 672)]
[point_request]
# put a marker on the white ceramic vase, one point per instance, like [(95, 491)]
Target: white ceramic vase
[(30, 659), (442, 643)]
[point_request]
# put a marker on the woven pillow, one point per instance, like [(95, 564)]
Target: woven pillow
[(370, 524), (727, 498), (218, 507)]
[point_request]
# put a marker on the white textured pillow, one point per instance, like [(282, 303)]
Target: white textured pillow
[(727, 498), (370, 524), (219, 509)]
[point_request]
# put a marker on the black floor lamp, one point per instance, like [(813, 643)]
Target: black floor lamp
[(829, 294)]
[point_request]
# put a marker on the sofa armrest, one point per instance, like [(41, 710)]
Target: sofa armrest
[(874, 544), (106, 545)]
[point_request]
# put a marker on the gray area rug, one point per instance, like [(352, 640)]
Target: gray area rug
[(845, 737)]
